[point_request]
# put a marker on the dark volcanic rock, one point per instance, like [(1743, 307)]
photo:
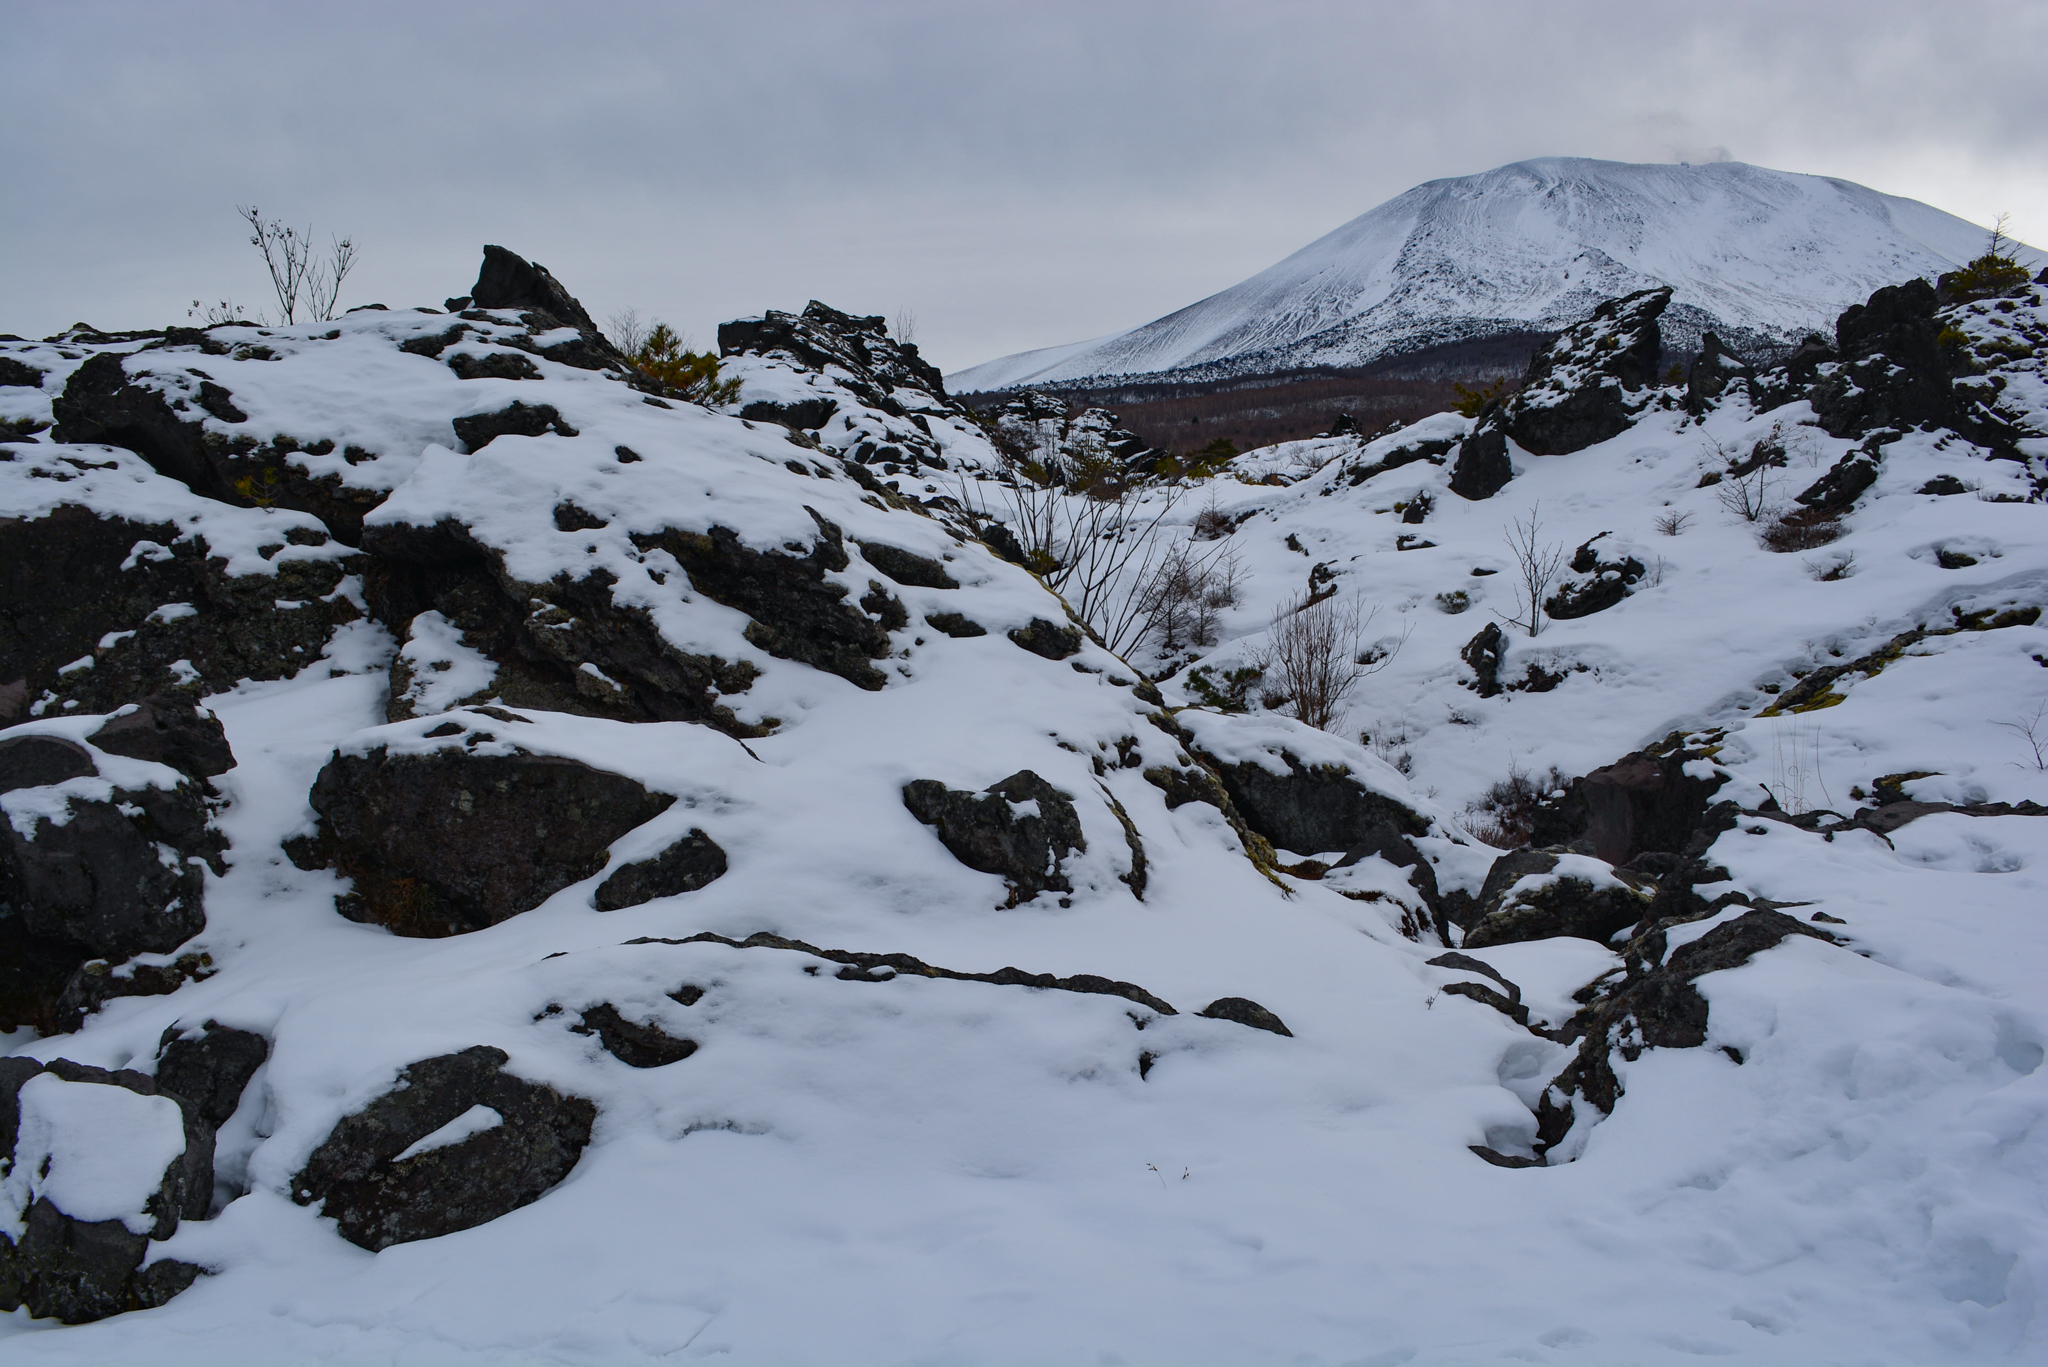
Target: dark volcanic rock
[(63, 1267), (380, 1197), (798, 613), (453, 841), (103, 403), (210, 1067), (169, 728), (516, 419), (1313, 809), (120, 876), (685, 866), (1482, 468), (1041, 637), (823, 337), (1602, 584), (38, 761), (633, 1044), (1845, 482), (1245, 1012), (509, 281), (1653, 1005), (540, 635), (907, 567), (1564, 906), (1576, 391), (985, 830), (1642, 802), (72, 580), (1892, 372), (804, 415), (498, 365), (956, 625), (1713, 370)]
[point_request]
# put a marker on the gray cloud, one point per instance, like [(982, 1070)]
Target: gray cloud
[(1018, 175)]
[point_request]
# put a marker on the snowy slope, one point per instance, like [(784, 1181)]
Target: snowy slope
[(1760, 256), (876, 1165)]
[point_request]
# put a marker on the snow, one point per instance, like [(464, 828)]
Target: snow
[(474, 1121), (1750, 252), (929, 1170), (95, 1152)]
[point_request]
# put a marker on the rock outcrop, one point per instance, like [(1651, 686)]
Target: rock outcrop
[(452, 840), (90, 872), (457, 1143)]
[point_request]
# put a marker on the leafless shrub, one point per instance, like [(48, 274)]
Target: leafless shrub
[(628, 331), (1505, 815), (1099, 547), (2033, 731), (1748, 495), (1317, 653), (1827, 571), (303, 282), (1537, 566), (1186, 591), (1393, 748), (1672, 523), (1804, 529), (904, 326)]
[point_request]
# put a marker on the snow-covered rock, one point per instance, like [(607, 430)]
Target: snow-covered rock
[(902, 972)]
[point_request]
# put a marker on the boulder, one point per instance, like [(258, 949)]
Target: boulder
[(451, 841), (457, 1143), (1484, 653), (516, 419), (1244, 1011), (907, 567), (630, 1042), (1577, 390), (1713, 370), (1645, 801), (100, 1165), (1563, 904), (689, 864), (1048, 640), (169, 728), (147, 404), (798, 614), (822, 338), (1892, 371), (509, 281), (1021, 828), (1845, 481), (117, 876), (1482, 468), (540, 635), (1602, 583), (209, 1067), (154, 609)]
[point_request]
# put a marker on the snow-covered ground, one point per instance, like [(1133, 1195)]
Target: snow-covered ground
[(900, 1168)]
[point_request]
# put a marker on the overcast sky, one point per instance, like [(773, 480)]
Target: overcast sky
[(1014, 175)]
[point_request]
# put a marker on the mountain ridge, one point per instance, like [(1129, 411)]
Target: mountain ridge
[(1759, 256)]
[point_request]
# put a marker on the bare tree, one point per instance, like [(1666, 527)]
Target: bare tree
[(1188, 588), (1317, 653), (302, 282), (904, 326), (1537, 567), (2033, 731), (628, 331), (1748, 495)]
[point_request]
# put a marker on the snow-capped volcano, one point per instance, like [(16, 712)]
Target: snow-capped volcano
[(1759, 256)]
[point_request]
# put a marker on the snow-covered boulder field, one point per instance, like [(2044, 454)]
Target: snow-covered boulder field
[(505, 864)]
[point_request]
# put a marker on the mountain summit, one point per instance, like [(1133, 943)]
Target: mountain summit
[(1759, 256)]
